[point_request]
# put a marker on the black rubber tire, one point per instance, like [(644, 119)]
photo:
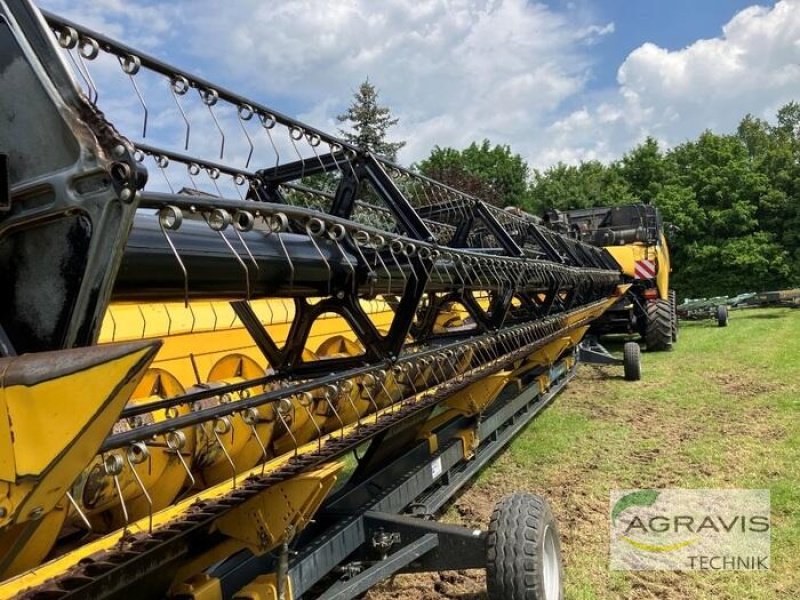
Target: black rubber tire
[(632, 361), (673, 305), (658, 333), (722, 315), (517, 565)]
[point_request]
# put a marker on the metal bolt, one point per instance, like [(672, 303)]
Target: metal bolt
[(36, 514), (3, 512)]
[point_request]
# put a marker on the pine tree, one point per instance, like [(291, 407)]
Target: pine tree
[(369, 122)]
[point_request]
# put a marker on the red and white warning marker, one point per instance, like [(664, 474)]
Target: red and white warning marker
[(645, 269)]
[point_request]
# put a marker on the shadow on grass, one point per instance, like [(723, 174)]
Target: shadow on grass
[(615, 343), (704, 323), (609, 372)]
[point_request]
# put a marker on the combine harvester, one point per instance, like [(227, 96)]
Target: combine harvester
[(634, 236), (217, 382)]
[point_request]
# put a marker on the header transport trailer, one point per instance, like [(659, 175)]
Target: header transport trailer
[(634, 236), (208, 389)]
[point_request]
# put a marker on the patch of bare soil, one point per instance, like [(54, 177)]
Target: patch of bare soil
[(461, 585), (475, 505), (742, 385), (661, 585)]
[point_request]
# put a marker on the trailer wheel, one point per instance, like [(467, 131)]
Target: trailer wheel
[(523, 557), (673, 305), (722, 315), (632, 361), (658, 333)]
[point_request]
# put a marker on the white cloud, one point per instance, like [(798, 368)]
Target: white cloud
[(753, 67), (453, 71)]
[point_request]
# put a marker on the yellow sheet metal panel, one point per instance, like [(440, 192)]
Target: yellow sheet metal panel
[(26, 545), (134, 321), (182, 354), (275, 515), (469, 442), (627, 256), (47, 417), (264, 587), (8, 469), (474, 399), (595, 310), (664, 268), (198, 336), (59, 423), (201, 587)]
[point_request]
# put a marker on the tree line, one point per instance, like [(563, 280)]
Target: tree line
[(732, 201)]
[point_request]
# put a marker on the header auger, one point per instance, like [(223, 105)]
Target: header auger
[(199, 327)]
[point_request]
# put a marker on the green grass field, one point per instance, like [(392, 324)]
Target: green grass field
[(720, 410)]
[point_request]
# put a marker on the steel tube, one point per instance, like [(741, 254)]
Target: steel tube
[(290, 266)]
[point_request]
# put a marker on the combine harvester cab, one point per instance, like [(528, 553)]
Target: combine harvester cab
[(634, 236), (219, 382)]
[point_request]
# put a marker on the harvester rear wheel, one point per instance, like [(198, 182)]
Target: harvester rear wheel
[(658, 334), (722, 315), (632, 361), (673, 306), (523, 560)]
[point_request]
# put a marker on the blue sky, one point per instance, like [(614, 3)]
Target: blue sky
[(671, 24), (561, 80)]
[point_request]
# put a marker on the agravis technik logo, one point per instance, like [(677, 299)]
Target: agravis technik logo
[(676, 529)]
